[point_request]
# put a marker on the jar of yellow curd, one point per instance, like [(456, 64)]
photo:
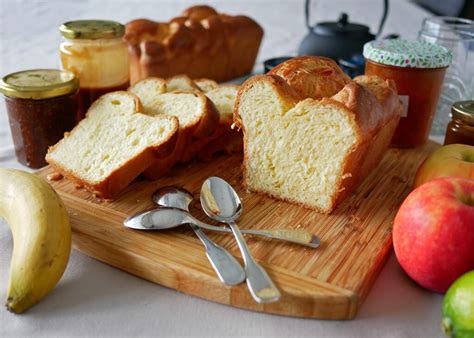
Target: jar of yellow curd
[(94, 51)]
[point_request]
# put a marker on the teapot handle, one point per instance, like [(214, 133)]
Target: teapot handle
[(306, 14), (382, 21)]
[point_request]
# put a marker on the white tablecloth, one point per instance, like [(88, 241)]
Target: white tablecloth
[(95, 299)]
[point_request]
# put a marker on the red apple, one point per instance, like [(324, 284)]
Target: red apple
[(453, 160), (433, 232)]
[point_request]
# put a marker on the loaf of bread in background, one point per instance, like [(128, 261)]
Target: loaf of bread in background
[(114, 144), (313, 152), (200, 43)]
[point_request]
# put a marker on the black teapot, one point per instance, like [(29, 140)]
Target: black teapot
[(337, 40)]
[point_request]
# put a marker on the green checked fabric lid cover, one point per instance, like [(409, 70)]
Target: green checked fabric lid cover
[(407, 53)]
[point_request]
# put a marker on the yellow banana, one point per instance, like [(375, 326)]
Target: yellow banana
[(41, 237)]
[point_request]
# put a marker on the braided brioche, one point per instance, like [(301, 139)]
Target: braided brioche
[(200, 43)]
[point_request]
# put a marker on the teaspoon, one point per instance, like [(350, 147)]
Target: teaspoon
[(221, 203)]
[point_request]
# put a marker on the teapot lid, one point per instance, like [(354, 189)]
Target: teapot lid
[(341, 27)]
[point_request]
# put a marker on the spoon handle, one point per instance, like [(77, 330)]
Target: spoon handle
[(261, 287), (227, 268), (299, 236)]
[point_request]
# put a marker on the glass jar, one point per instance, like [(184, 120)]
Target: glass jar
[(41, 106), (95, 52), (461, 128), (418, 70)]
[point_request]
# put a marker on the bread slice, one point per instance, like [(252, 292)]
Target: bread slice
[(223, 98), (206, 85), (197, 115), (313, 152), (147, 90), (113, 144), (181, 83)]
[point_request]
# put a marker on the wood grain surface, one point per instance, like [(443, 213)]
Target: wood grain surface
[(330, 282)]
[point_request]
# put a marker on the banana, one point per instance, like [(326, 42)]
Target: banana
[(41, 237)]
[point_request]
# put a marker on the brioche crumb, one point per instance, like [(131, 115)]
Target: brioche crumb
[(54, 177), (295, 150)]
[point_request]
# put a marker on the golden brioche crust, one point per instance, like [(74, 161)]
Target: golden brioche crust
[(199, 43), (314, 77)]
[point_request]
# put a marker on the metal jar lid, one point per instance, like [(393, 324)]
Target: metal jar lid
[(464, 111), (408, 53), (39, 83), (92, 29)]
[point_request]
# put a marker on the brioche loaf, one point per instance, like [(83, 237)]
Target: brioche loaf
[(313, 152), (113, 144), (200, 43)]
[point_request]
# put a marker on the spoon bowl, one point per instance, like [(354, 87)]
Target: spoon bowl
[(174, 197), (220, 200), (166, 217)]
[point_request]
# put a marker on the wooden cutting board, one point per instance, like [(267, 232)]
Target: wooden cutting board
[(330, 282)]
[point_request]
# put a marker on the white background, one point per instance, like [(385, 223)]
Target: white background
[(95, 299)]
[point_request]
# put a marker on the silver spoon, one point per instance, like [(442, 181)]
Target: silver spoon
[(166, 218), (227, 268), (221, 203)]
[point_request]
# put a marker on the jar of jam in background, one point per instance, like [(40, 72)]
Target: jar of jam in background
[(418, 69), (94, 51), (461, 127), (41, 106)]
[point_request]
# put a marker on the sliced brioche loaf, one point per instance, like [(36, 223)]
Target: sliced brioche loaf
[(113, 144), (313, 152)]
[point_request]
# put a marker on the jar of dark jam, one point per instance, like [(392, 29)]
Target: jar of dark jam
[(41, 106), (461, 127), (95, 52)]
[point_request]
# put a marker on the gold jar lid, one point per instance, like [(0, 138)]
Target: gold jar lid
[(464, 111), (92, 29), (39, 83)]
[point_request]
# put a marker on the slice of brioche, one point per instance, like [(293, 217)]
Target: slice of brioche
[(113, 144), (312, 152), (223, 98), (195, 112), (206, 85), (181, 83), (197, 115), (147, 90)]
